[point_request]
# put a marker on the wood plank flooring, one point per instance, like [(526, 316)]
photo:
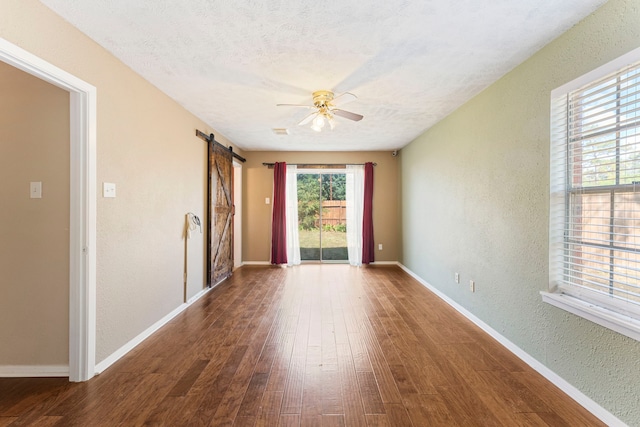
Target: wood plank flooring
[(314, 345)]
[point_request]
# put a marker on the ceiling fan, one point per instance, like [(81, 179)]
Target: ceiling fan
[(324, 106)]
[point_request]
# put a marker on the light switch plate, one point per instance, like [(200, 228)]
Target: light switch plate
[(35, 190), (108, 189)]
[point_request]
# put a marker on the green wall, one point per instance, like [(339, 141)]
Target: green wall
[(475, 194)]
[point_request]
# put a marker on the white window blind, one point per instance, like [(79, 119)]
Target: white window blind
[(595, 192)]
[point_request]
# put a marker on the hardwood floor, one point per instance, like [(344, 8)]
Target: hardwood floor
[(315, 345)]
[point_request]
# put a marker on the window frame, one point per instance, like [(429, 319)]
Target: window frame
[(608, 312)]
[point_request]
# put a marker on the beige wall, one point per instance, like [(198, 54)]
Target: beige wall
[(146, 145), (259, 185), (34, 233), (476, 202)]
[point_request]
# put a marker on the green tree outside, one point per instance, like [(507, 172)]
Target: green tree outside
[(310, 186)]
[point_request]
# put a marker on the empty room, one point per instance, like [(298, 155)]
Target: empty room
[(299, 213)]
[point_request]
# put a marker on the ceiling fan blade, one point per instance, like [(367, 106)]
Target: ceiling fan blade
[(308, 118), (343, 99), (295, 105), (347, 115)]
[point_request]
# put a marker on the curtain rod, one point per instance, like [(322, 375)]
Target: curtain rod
[(210, 138), (319, 165)]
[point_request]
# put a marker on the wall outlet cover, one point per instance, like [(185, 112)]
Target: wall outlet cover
[(108, 189)]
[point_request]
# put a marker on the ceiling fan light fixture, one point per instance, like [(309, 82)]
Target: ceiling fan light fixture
[(332, 123), (318, 123), (324, 104)]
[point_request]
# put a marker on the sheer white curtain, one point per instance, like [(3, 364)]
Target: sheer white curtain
[(293, 240), (355, 203)]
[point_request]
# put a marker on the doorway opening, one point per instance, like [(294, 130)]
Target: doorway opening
[(82, 221), (322, 216)]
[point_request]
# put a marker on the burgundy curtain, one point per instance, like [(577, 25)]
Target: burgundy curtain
[(367, 214), (279, 220)]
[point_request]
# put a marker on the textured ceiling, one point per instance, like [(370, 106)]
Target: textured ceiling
[(409, 62)]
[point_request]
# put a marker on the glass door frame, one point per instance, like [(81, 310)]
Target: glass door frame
[(322, 171)]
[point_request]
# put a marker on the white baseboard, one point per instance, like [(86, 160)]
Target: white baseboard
[(26, 371), (268, 263), (118, 354), (586, 402)]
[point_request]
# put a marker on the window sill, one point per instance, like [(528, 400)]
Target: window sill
[(609, 319)]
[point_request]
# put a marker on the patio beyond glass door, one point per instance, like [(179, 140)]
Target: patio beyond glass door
[(322, 217)]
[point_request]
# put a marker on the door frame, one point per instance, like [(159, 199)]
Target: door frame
[(82, 218), (237, 218)]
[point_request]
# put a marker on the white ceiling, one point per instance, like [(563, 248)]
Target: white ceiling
[(410, 62)]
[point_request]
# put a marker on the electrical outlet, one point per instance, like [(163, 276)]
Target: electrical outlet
[(379, 246), (472, 286), (108, 189), (457, 277)]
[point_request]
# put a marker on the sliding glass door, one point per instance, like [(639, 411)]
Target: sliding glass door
[(322, 216)]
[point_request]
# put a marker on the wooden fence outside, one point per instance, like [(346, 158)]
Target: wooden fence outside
[(334, 212)]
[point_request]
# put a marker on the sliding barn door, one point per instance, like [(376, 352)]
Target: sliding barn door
[(221, 210)]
